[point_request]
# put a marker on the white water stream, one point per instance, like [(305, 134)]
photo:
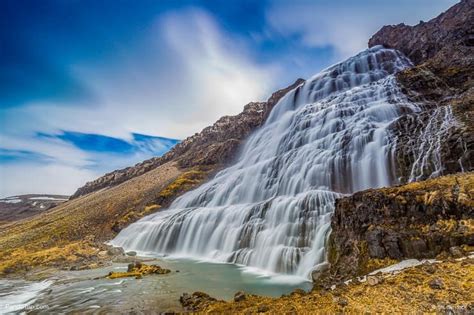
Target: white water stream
[(271, 210)]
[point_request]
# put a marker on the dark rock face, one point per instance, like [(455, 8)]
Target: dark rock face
[(427, 39), (418, 220), (214, 146)]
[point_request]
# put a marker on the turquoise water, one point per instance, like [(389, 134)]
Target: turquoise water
[(84, 292)]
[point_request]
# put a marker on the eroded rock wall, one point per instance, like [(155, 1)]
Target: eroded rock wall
[(376, 227)]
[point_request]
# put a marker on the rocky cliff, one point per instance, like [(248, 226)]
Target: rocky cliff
[(442, 82), (446, 35), (374, 228), (214, 145), (377, 227)]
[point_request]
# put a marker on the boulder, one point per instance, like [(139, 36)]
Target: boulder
[(196, 301), (115, 251), (239, 296), (436, 284)]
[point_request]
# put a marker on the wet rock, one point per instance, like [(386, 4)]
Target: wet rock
[(115, 251), (374, 242), (372, 228), (316, 274), (130, 267), (132, 253), (239, 296), (436, 284), (137, 270), (441, 78)]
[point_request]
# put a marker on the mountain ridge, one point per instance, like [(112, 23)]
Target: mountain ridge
[(213, 145)]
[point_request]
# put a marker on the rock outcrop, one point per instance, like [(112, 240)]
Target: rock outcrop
[(442, 83), (448, 32), (376, 227), (214, 145), (138, 270)]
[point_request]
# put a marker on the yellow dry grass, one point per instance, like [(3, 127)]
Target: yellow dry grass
[(405, 293)]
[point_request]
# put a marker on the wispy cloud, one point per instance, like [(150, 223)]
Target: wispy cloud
[(181, 74), (343, 25), (62, 162)]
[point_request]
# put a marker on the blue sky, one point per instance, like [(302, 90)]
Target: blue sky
[(89, 86)]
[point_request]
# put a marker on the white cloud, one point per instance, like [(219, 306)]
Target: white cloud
[(346, 25), (183, 75), (24, 178), (180, 76)]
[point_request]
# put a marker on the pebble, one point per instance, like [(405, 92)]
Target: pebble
[(436, 284)]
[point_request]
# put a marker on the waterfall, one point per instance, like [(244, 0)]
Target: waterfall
[(271, 210), (428, 162)]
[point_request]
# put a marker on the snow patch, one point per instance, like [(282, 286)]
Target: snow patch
[(10, 200), (404, 264), (47, 198)]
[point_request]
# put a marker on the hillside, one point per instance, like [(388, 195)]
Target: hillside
[(124, 196), (214, 146)]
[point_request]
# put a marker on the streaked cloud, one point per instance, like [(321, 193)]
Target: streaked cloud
[(181, 74), (345, 25)]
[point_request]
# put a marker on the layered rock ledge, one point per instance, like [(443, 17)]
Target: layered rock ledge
[(377, 227)]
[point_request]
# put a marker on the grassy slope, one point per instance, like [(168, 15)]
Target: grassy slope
[(74, 231), (406, 292)]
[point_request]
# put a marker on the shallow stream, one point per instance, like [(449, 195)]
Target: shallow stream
[(86, 292)]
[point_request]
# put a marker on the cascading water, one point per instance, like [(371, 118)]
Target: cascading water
[(271, 210), (427, 147)]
